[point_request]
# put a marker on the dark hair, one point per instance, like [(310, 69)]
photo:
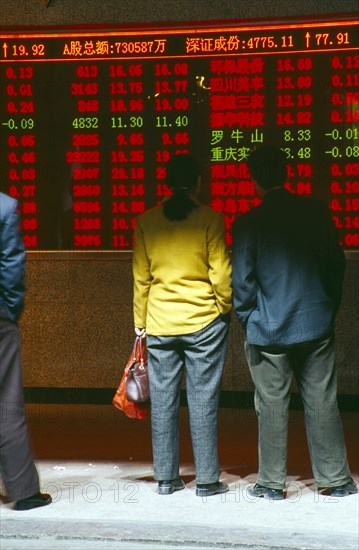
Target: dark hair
[(182, 175), (268, 166)]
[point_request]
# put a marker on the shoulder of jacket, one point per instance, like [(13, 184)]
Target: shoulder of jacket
[(209, 211), (309, 202), (149, 214), (208, 216), (7, 204), (249, 217)]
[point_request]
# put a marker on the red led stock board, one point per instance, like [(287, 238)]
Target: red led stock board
[(90, 116)]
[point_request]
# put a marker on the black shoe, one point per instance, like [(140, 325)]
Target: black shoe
[(169, 487), (35, 501), (266, 492), (345, 490), (209, 489)]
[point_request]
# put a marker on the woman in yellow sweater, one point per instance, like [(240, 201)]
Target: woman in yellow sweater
[(182, 298)]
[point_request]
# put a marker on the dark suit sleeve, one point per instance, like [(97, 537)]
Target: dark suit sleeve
[(335, 265), (12, 265), (243, 274)]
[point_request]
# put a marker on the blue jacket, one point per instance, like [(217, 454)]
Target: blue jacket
[(288, 270), (12, 259)]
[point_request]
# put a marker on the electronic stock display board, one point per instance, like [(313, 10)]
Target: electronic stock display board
[(89, 117)]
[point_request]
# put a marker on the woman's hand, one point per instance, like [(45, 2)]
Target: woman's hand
[(140, 331)]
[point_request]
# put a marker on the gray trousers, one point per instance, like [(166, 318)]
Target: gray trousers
[(202, 355), (17, 467), (313, 366)]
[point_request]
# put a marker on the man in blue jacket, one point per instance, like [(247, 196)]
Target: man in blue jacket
[(288, 271), (17, 466)]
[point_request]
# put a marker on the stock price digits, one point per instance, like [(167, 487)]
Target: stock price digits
[(87, 132)]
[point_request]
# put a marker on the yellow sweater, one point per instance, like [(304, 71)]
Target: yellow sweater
[(182, 271)]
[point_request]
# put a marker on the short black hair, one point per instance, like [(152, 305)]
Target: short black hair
[(268, 166)]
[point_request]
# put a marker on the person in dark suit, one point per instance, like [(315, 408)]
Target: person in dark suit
[(288, 272), (17, 466)]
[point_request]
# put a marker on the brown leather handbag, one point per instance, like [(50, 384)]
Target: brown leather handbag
[(137, 384), (138, 410)]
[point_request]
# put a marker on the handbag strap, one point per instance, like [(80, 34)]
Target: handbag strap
[(138, 349)]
